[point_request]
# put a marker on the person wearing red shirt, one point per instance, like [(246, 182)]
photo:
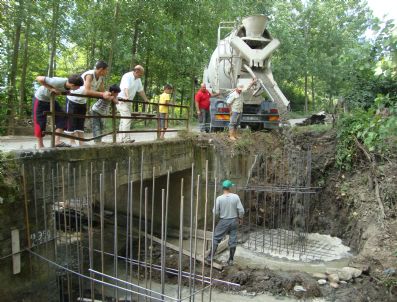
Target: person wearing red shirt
[(202, 100)]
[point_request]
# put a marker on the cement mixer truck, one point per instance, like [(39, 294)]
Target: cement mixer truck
[(243, 54)]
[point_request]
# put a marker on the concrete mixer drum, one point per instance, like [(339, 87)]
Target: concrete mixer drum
[(245, 53)]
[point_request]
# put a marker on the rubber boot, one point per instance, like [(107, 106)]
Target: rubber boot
[(232, 250), (232, 134), (211, 254)]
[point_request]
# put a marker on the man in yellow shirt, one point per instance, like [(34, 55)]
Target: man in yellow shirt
[(165, 99)]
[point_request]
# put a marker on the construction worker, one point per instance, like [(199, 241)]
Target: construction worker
[(231, 212), (235, 101)]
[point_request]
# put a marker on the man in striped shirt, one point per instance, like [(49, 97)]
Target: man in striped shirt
[(100, 108)]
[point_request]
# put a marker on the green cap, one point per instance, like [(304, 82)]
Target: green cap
[(227, 184)]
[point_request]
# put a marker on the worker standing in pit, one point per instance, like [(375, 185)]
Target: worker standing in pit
[(231, 212)]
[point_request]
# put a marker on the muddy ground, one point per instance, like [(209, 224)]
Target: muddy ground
[(348, 207)]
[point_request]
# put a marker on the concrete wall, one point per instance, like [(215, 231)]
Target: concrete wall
[(74, 168), (49, 168)]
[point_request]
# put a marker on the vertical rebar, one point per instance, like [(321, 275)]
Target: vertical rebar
[(146, 247), (131, 228), (191, 232), (45, 221), (140, 218), (162, 277), (35, 200), (166, 217), (273, 221), (44, 210), (26, 207), (102, 226), (195, 233), (288, 202), (90, 235), (55, 235), (249, 217), (65, 230), (212, 241), (115, 247), (280, 221), (205, 228), (264, 221), (179, 287), (151, 230), (293, 224), (76, 220), (81, 205), (128, 215)]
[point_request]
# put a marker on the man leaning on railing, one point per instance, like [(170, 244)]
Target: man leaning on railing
[(101, 108), (41, 104)]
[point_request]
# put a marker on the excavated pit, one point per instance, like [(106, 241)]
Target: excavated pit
[(291, 227)]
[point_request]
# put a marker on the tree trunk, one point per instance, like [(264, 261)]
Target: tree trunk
[(306, 94), (313, 94), (192, 106), (13, 71), (182, 96), (91, 60), (113, 36), (134, 44), (22, 91), (145, 85), (54, 22)]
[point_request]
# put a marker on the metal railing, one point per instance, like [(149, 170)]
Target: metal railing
[(114, 117)]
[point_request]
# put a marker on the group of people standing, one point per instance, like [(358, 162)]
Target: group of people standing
[(91, 84), (234, 101)]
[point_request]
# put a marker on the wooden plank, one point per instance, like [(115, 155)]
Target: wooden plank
[(185, 252), (15, 248), (200, 233)]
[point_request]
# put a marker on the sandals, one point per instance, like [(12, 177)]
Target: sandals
[(63, 144)]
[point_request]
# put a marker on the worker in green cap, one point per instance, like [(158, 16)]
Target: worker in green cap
[(231, 212)]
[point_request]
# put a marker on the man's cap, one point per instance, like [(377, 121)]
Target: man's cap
[(227, 184)]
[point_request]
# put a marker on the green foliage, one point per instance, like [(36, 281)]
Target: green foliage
[(9, 184), (375, 128)]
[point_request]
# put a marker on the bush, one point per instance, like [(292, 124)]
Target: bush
[(375, 128)]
